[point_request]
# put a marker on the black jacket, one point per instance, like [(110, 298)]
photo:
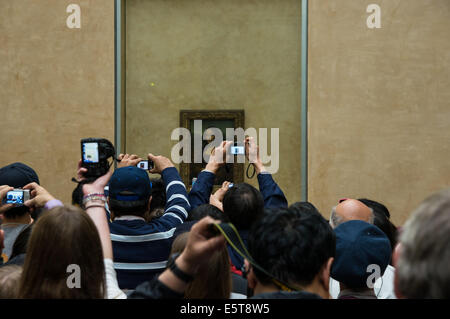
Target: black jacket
[(154, 289)]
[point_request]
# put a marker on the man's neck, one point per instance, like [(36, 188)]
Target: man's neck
[(362, 292), (25, 219), (317, 288), (260, 289)]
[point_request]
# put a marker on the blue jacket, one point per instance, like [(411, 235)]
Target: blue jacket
[(271, 192), (141, 249)]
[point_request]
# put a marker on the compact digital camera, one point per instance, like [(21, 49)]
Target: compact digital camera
[(17, 197), (95, 153), (237, 149)]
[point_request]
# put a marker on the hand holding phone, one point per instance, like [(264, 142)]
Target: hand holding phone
[(128, 160), (146, 165)]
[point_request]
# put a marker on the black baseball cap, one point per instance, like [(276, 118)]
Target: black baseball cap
[(17, 175)]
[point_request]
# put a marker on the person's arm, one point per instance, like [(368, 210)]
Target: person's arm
[(40, 198), (202, 189), (177, 203), (216, 199), (199, 248), (95, 208), (271, 192)]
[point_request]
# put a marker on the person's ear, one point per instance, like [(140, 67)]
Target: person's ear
[(324, 274), (251, 279), (395, 259), (149, 202)]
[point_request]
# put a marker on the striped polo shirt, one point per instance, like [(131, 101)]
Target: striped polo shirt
[(141, 249)]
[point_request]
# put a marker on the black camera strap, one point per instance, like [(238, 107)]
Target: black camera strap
[(232, 237)]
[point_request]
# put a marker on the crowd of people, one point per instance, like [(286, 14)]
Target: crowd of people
[(128, 236)]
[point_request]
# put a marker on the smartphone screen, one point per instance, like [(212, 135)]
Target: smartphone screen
[(147, 165), (143, 165), (90, 152), (14, 197), (237, 150)]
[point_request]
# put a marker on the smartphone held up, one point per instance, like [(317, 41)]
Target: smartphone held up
[(146, 165), (237, 149)]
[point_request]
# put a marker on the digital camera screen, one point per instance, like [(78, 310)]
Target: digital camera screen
[(90, 152), (143, 165), (14, 197), (237, 150)]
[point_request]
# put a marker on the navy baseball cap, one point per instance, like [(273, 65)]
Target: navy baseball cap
[(17, 175), (129, 184), (358, 245)]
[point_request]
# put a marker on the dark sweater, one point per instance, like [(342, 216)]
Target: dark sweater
[(271, 192)]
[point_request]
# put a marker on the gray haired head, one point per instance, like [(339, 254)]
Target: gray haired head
[(336, 219), (422, 268)]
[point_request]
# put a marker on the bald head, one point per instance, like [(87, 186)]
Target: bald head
[(351, 209)]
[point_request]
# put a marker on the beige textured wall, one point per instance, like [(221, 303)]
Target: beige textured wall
[(56, 85), (224, 54), (379, 112)]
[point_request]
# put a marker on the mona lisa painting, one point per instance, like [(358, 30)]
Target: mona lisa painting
[(210, 122)]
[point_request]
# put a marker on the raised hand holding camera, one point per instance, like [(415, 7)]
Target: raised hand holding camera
[(252, 153), (160, 163), (4, 190), (219, 156), (95, 153), (128, 160), (39, 196)]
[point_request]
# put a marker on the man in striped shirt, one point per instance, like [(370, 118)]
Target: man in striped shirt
[(141, 248)]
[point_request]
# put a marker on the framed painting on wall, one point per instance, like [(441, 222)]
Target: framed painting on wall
[(222, 120)]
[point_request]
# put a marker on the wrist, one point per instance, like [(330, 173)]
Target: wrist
[(166, 167), (51, 203), (185, 265), (94, 199), (259, 167), (212, 167), (48, 198), (89, 191)]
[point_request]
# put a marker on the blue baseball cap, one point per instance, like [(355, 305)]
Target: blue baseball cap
[(129, 184), (358, 245)]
